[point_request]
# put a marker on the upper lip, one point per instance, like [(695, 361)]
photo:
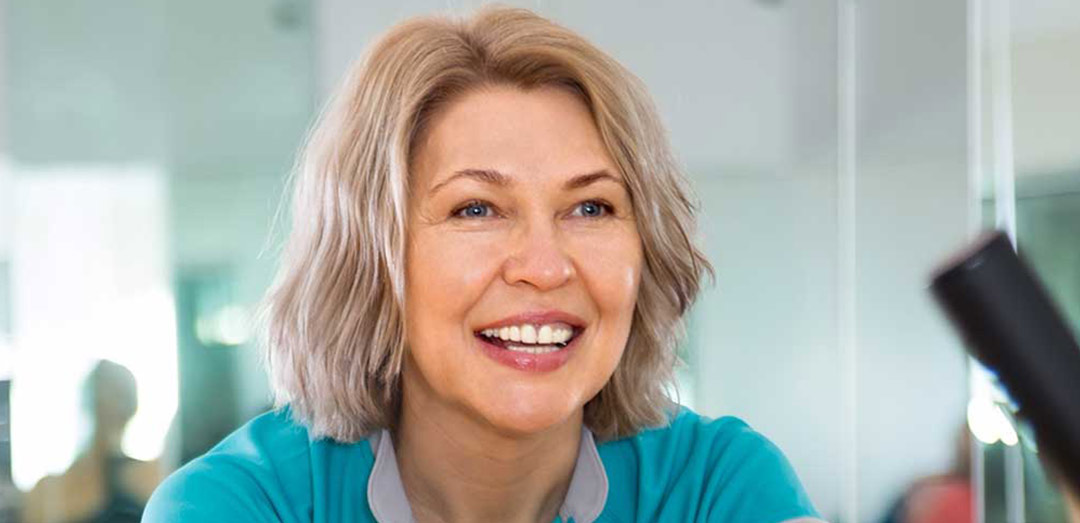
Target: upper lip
[(537, 318)]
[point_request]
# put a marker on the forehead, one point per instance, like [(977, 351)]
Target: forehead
[(547, 131)]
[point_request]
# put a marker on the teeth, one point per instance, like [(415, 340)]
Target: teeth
[(533, 349), (528, 334), (561, 335), (534, 335), (543, 337)]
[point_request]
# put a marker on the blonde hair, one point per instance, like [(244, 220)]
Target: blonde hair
[(335, 322)]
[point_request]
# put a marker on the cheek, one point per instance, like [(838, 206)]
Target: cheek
[(612, 275), (445, 278), (612, 272)]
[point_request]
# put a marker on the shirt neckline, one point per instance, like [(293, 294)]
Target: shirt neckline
[(585, 498)]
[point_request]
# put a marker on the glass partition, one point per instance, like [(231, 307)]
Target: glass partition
[(1033, 93)]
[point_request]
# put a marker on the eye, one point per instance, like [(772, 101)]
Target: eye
[(593, 209), (473, 209)]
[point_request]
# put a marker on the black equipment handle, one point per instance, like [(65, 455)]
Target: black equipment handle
[(1012, 326)]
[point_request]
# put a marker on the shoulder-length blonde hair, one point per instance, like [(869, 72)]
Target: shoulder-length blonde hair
[(335, 338)]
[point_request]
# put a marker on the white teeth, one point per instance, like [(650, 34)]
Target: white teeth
[(528, 334), (561, 335), (544, 335), (533, 349)]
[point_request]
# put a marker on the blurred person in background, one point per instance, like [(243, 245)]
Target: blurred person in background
[(102, 485), (945, 498), (479, 305), (950, 497)]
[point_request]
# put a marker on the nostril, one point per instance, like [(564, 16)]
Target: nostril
[(542, 269)]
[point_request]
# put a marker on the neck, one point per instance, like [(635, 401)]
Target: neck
[(456, 468), (107, 441)]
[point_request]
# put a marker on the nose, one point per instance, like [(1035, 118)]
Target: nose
[(538, 258)]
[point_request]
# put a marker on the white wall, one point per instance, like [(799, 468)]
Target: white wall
[(81, 90), (3, 75), (912, 210), (733, 110), (5, 190), (241, 95), (1046, 80), (6, 202)]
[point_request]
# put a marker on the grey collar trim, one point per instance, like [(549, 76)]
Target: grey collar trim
[(386, 494), (588, 490), (584, 501)]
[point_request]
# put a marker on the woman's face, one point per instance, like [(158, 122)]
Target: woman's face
[(523, 261)]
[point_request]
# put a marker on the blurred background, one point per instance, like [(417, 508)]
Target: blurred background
[(840, 150)]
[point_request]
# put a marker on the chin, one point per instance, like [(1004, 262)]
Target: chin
[(528, 414)]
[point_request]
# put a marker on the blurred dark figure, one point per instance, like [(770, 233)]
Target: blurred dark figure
[(946, 498), (102, 485)]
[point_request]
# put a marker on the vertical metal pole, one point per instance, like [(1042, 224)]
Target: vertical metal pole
[(1001, 89), (975, 184), (1005, 201), (846, 255)]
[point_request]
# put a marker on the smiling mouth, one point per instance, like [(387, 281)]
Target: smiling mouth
[(530, 338)]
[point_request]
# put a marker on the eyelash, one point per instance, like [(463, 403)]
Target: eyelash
[(607, 208)]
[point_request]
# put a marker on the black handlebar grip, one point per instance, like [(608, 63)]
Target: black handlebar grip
[(1012, 326)]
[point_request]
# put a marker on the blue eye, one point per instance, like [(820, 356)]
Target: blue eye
[(475, 209), (586, 209), (593, 209)]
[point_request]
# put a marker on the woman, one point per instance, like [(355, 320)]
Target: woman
[(479, 305)]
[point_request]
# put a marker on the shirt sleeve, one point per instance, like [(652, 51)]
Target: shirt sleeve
[(259, 473), (751, 481), (210, 489), (702, 470)]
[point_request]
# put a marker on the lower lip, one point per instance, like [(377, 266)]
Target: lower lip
[(529, 362)]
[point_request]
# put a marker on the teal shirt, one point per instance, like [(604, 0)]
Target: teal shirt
[(694, 469)]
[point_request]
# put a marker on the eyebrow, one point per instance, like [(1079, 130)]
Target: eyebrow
[(493, 177)]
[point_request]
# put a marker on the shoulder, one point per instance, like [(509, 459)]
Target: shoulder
[(260, 472), (35, 503), (703, 469), (140, 478)]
